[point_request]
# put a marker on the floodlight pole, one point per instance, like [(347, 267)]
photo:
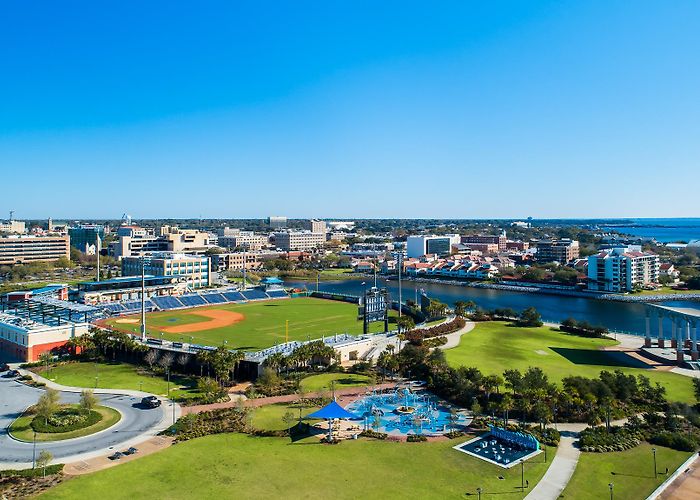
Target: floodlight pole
[(399, 263), (98, 244), (143, 298)]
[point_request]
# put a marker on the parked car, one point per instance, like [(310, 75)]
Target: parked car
[(116, 455), (130, 451), (13, 374), (150, 402), (4, 367)]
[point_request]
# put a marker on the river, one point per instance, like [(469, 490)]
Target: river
[(617, 316)]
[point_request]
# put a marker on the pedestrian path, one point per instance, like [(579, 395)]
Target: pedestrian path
[(560, 471)]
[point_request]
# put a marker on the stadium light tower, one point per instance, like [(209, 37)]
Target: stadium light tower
[(143, 298)]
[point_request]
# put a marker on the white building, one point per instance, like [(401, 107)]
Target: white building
[(315, 226), (418, 246), (622, 269), (195, 269), (299, 240), (13, 226), (277, 222)]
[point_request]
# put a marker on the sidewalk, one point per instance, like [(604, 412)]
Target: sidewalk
[(560, 470)]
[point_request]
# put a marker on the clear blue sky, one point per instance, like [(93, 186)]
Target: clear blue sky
[(350, 109)]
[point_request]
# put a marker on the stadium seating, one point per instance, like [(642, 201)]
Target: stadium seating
[(234, 296), (214, 298), (193, 300), (276, 294), (114, 308), (166, 302), (254, 295), (135, 305)]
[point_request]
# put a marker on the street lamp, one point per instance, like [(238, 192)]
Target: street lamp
[(522, 474), (610, 485), (34, 452), (478, 492), (653, 451)]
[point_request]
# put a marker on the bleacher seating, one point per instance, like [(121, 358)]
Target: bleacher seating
[(114, 308), (214, 298), (234, 296), (166, 302), (254, 294), (135, 305), (193, 300), (276, 294)]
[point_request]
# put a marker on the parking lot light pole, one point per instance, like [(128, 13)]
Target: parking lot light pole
[(522, 474), (34, 452), (478, 492), (653, 451), (611, 485)]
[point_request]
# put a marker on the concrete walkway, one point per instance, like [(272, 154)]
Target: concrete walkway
[(560, 470), (453, 339)]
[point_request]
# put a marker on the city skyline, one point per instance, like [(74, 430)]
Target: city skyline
[(547, 109)]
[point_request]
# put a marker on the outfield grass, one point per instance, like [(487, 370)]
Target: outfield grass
[(633, 473), (269, 417), (121, 376), (322, 382), (21, 428), (495, 346), (223, 466), (264, 323)]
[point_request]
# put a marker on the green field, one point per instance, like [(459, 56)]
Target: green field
[(269, 417), (633, 473), (494, 347), (21, 428), (121, 376), (229, 465), (264, 323), (322, 382)]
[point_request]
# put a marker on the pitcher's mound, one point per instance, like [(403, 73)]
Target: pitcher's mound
[(217, 318)]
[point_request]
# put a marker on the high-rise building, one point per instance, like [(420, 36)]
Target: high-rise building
[(85, 236), (418, 246), (622, 269), (194, 268), (134, 241), (13, 227), (562, 251), (276, 222), (26, 249), (299, 240), (315, 226), (500, 240)]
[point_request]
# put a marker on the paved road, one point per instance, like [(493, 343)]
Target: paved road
[(136, 422)]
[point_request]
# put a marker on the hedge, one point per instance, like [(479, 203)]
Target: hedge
[(39, 425)]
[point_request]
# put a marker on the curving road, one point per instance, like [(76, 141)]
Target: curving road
[(136, 424)]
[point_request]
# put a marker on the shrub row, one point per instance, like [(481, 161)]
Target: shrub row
[(675, 440), (69, 424), (600, 440), (416, 438), (373, 434), (419, 335), (435, 341), (38, 472), (209, 422)]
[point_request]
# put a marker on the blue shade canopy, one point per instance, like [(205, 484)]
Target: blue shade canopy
[(333, 410)]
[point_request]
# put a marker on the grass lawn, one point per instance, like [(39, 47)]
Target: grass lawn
[(264, 323), (322, 382), (21, 428), (121, 376), (269, 417), (664, 290), (633, 473), (494, 347), (243, 466)]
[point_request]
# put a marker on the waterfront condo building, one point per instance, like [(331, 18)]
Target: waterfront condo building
[(562, 251), (418, 246), (622, 269), (195, 269), (21, 249), (299, 240)]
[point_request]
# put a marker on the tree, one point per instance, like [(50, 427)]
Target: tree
[(288, 419), (43, 460), (166, 361), (405, 323), (460, 308), (47, 404), (151, 357), (208, 387), (507, 404), (88, 401), (530, 318), (513, 380)]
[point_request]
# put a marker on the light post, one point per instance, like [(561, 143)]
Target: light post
[(611, 485), (522, 474), (478, 493), (34, 452), (653, 451), (168, 373), (141, 385)]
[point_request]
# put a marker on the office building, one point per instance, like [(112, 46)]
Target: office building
[(235, 261), (500, 241), (623, 269), (299, 240), (277, 222), (315, 226), (135, 241), (13, 227), (418, 246), (84, 237), (17, 249), (195, 269), (562, 251), (247, 240)]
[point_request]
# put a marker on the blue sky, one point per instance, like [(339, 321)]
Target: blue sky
[(350, 109)]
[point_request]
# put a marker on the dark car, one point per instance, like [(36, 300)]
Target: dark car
[(150, 402), (13, 374), (130, 451), (116, 456), (4, 367)]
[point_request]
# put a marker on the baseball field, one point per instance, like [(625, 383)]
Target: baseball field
[(250, 326)]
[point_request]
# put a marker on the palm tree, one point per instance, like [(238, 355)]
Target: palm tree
[(507, 404), (460, 308)]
